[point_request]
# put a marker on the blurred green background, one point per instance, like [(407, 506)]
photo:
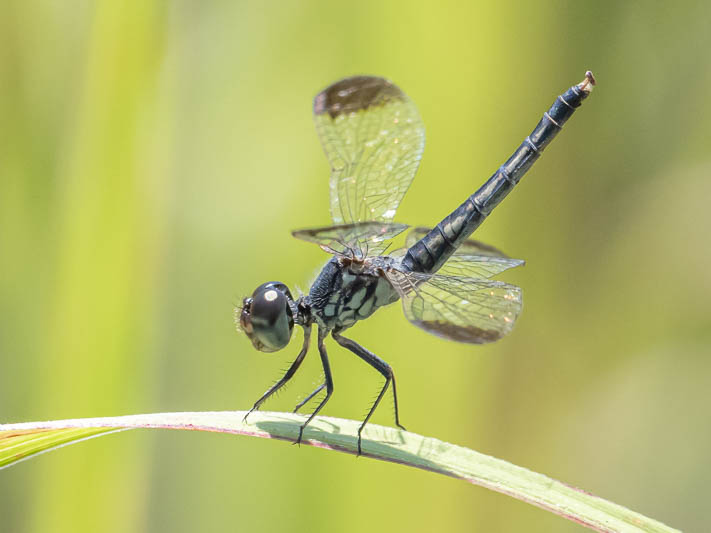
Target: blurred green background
[(155, 155)]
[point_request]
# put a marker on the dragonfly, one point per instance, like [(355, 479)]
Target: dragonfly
[(374, 137)]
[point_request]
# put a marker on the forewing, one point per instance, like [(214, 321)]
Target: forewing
[(462, 309), (355, 240), (373, 137)]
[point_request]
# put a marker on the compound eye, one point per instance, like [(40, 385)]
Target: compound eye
[(271, 317)]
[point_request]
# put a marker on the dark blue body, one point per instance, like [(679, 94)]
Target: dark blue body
[(352, 286), (348, 290), (432, 251)]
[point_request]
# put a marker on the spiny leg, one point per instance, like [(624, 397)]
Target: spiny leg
[(328, 381), (382, 367), (397, 414), (289, 373), (308, 398)]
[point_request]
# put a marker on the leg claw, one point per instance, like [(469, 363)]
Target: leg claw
[(244, 420)]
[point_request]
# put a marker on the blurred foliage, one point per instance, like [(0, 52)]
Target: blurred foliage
[(154, 156)]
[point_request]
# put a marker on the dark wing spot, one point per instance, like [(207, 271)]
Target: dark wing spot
[(469, 334), (352, 94)]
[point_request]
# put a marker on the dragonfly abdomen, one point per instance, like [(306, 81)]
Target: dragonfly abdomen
[(432, 251)]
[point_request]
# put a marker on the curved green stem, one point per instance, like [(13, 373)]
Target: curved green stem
[(22, 441)]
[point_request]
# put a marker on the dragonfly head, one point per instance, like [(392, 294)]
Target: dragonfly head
[(267, 317)]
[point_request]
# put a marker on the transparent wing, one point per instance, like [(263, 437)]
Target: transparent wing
[(355, 240), (373, 137), (477, 266), (462, 309), (473, 259)]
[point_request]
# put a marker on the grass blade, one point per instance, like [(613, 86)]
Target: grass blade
[(19, 442)]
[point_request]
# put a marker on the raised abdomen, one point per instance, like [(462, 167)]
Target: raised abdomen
[(432, 251)]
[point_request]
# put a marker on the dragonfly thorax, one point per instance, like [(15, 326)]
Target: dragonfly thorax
[(347, 291)]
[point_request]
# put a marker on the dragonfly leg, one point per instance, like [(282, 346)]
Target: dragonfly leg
[(308, 398), (382, 367), (289, 373), (328, 382)]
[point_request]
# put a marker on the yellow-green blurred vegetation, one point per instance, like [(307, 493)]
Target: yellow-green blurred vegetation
[(154, 157)]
